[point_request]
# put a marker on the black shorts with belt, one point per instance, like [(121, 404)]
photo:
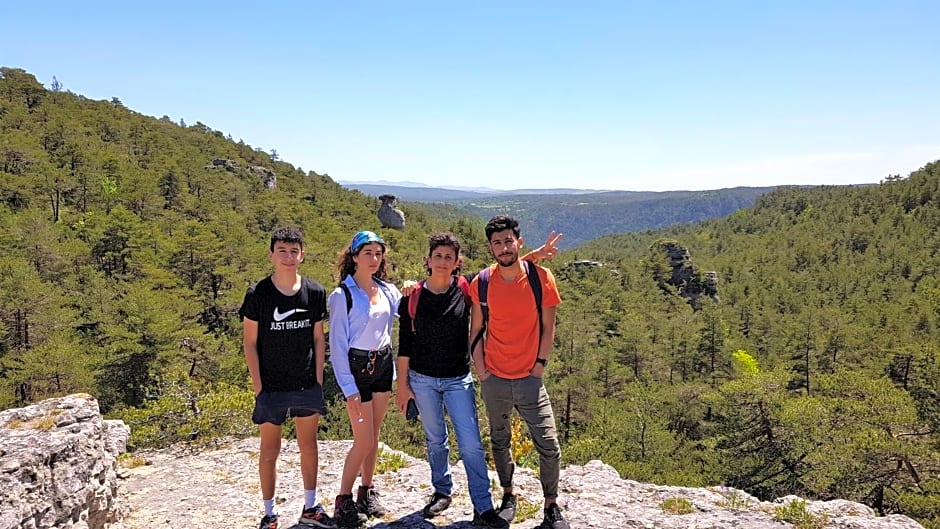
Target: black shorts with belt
[(373, 371)]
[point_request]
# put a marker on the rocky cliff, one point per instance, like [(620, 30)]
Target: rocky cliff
[(57, 470), (679, 272), (58, 462)]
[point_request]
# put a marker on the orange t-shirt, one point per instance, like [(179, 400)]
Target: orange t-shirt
[(512, 335)]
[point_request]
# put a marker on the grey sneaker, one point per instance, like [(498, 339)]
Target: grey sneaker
[(316, 517), (367, 501), (553, 518), (507, 507), (489, 519), (436, 505)]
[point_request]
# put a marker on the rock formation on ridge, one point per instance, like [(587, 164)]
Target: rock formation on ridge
[(389, 215)]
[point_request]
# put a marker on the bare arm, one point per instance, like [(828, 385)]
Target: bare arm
[(403, 392), (476, 323), (250, 346), (548, 336), (406, 346)]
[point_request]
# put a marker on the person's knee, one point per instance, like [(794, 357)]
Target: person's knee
[(472, 453), (468, 444), (363, 443), (553, 454), (500, 438), (307, 446), (548, 448), (269, 454), (436, 442)]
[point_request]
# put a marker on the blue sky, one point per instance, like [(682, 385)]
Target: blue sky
[(602, 95)]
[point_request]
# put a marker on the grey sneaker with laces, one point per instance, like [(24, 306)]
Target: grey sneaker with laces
[(367, 501), (436, 505), (316, 517), (553, 518), (489, 519), (507, 507)]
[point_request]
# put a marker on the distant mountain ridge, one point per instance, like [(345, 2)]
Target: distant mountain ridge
[(582, 215), (417, 192)]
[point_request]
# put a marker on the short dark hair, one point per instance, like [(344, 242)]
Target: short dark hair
[(445, 238), (501, 223), (287, 234)]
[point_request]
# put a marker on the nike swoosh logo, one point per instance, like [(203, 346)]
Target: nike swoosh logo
[(279, 316)]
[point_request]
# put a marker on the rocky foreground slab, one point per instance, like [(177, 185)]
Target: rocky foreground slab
[(218, 488), (58, 468)]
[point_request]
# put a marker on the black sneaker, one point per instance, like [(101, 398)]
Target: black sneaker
[(553, 518), (367, 501), (268, 522), (345, 513), (316, 517), (489, 519), (507, 507), (436, 505)]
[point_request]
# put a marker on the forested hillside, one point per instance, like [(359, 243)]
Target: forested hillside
[(817, 374), (127, 243)]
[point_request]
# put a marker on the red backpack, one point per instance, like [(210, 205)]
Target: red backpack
[(462, 283)]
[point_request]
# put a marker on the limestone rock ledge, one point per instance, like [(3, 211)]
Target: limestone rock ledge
[(58, 463), (176, 485), (58, 469)]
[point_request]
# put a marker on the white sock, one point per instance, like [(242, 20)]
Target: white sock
[(269, 507), (310, 498)]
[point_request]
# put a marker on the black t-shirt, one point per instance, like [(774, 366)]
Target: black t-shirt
[(438, 347), (285, 332)]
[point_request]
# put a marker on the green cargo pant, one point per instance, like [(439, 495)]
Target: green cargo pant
[(529, 397)]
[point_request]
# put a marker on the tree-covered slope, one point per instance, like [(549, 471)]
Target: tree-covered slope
[(816, 374), (128, 243)]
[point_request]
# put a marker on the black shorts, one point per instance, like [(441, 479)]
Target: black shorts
[(375, 380), (276, 406)]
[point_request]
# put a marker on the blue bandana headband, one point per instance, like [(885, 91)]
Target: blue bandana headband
[(363, 238)]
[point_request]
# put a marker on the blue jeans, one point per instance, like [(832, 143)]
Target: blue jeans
[(432, 395)]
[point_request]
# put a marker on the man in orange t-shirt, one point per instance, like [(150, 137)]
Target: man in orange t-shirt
[(511, 360)]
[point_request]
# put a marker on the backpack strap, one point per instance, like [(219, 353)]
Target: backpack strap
[(535, 283), (463, 285), (413, 302), (483, 285), (348, 295)]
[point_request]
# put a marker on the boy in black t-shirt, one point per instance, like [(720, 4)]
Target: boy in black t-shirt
[(282, 319)]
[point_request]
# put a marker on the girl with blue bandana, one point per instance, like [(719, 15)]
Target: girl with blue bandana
[(362, 309)]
